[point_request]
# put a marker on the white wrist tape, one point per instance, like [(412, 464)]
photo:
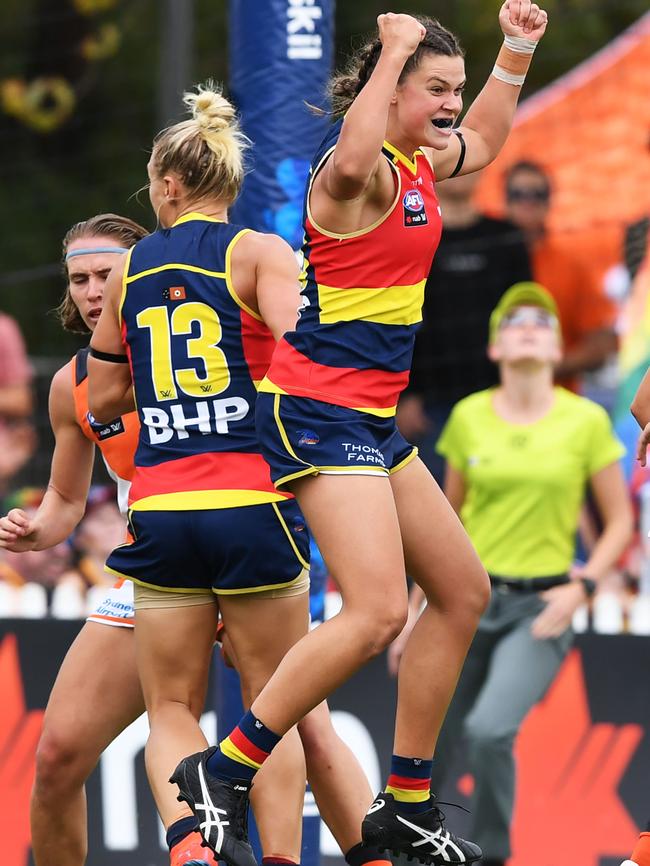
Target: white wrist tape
[(502, 75), (520, 44), (514, 59)]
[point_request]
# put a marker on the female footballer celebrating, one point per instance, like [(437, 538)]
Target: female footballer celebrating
[(325, 415)]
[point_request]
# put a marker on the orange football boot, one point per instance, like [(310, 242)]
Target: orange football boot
[(190, 852)]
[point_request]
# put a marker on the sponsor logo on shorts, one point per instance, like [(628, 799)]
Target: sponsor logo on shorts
[(308, 437), (357, 453)]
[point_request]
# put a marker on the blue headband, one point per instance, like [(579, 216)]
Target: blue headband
[(91, 250)]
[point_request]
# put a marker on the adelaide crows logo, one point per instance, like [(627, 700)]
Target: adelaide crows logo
[(414, 211)]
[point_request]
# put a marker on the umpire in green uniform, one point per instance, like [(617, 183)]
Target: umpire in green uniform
[(518, 461)]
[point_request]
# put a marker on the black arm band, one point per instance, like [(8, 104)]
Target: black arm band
[(108, 356), (461, 157)]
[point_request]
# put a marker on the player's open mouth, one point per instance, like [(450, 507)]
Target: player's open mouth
[(95, 313), (443, 122)]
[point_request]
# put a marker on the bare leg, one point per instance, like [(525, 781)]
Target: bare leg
[(174, 649), (355, 524), (259, 633), (340, 786), (441, 559), (96, 695)]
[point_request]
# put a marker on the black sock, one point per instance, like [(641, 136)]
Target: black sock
[(180, 829)]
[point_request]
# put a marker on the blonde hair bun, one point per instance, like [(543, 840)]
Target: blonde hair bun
[(207, 150), (210, 109)]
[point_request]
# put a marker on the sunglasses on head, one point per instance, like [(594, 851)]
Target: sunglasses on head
[(521, 194), (537, 316)]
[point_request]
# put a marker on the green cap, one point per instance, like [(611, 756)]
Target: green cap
[(521, 295)]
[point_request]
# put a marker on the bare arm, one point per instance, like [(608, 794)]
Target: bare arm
[(355, 161), (613, 503), (276, 282), (64, 502), (110, 387), (488, 121), (640, 408), (614, 507), (454, 487)]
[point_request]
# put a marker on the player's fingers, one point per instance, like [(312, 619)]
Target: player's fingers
[(531, 21), (514, 10), (524, 11), (18, 516)]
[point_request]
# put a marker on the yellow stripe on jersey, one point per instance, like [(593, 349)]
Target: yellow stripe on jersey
[(396, 305), (177, 266), (379, 413), (196, 216), (411, 164), (202, 500), (266, 386), (229, 283)]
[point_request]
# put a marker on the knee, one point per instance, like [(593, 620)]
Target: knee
[(317, 739), (61, 764), (478, 593), (379, 627), (465, 600)]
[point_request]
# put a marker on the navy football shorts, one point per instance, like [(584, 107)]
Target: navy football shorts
[(248, 549), (299, 436)]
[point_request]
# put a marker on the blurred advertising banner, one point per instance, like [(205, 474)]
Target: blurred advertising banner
[(584, 755), (280, 61)]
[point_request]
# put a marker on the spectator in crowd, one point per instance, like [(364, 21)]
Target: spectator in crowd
[(519, 457), (17, 438), (587, 315), (478, 258)]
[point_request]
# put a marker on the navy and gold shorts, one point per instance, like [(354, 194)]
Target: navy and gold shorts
[(253, 548), (299, 436)]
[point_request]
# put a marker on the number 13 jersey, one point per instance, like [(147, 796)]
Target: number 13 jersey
[(197, 353)]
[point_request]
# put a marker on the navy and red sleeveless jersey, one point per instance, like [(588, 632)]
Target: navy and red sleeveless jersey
[(197, 353), (362, 296)]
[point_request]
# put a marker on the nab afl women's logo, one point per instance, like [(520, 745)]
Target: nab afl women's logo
[(414, 212)]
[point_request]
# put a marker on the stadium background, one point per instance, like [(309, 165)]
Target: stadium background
[(84, 84)]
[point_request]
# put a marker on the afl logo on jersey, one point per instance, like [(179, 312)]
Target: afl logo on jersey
[(414, 212)]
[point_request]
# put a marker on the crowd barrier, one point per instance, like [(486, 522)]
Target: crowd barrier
[(584, 756)]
